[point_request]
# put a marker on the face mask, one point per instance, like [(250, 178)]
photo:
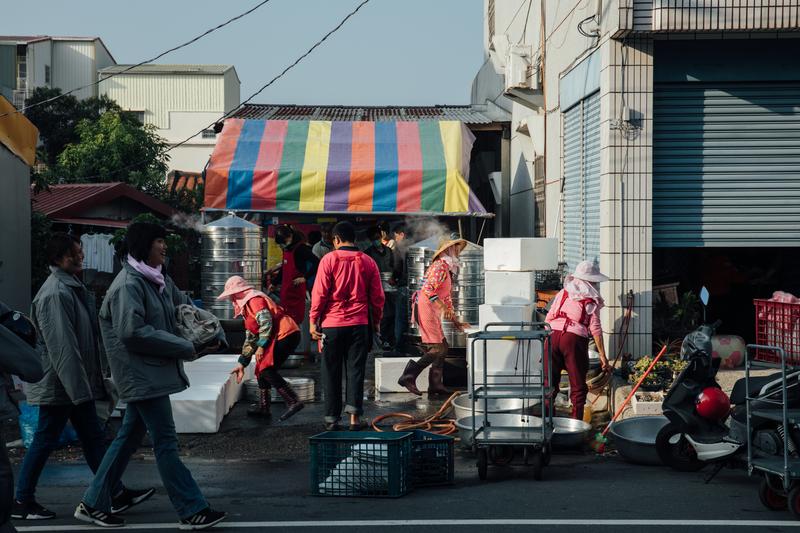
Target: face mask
[(283, 246)]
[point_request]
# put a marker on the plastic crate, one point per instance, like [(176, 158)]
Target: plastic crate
[(431, 459), (365, 463), (778, 324)]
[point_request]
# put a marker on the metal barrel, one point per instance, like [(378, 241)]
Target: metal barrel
[(231, 246)]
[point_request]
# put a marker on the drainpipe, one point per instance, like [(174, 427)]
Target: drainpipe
[(503, 227)]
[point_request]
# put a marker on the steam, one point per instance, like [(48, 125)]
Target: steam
[(422, 229), (186, 221)]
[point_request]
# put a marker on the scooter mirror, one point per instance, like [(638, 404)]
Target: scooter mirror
[(704, 296)]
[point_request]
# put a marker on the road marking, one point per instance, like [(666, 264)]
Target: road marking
[(463, 522)]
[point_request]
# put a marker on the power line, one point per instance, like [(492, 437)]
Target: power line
[(259, 91), (146, 61)]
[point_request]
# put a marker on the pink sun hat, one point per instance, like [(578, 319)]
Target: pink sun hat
[(587, 271), (234, 285)]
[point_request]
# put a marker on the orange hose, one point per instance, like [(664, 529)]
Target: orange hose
[(436, 423)]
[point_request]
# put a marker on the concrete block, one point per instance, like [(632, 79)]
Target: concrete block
[(520, 254), (510, 288), (389, 369), (488, 313)]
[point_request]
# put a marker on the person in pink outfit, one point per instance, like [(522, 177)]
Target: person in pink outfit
[(575, 316), (430, 305)]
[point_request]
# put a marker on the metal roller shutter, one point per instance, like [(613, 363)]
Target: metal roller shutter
[(572, 186), (726, 164), (591, 178)]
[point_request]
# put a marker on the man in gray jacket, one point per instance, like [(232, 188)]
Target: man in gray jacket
[(19, 358), (65, 316), (145, 353)]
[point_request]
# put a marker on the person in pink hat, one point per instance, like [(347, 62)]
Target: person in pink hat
[(270, 335), (575, 316)]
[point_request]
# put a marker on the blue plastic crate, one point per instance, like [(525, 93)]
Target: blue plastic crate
[(345, 463), (431, 459)]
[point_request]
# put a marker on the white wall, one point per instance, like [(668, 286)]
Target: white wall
[(39, 56), (15, 239), (232, 91), (74, 66)]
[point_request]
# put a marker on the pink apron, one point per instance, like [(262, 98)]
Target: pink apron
[(426, 313)]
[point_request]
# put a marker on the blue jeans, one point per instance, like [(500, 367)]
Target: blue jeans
[(155, 417), (52, 419), (400, 315)]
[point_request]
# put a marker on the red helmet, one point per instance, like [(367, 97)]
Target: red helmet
[(713, 404)]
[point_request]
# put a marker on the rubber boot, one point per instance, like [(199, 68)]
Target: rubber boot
[(409, 377), (261, 408), (293, 403), (436, 380)]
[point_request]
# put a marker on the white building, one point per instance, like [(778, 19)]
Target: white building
[(28, 62), (660, 140), (180, 100)]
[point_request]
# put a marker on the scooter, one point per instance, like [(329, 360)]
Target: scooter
[(697, 433)]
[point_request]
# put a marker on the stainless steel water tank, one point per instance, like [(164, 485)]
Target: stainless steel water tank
[(231, 246), (468, 285)]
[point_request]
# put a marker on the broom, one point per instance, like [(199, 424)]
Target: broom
[(600, 440)]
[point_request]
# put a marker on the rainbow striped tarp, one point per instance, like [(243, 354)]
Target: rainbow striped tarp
[(342, 167)]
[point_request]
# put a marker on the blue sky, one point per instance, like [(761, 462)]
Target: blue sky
[(393, 52)]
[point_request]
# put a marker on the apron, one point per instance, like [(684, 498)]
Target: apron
[(282, 327), (426, 314), (293, 298)]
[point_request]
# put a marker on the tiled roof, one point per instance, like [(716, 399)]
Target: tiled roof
[(168, 69), (463, 113)]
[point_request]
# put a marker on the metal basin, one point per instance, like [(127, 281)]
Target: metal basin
[(518, 422), (463, 407), (569, 433), (635, 438), (293, 361)]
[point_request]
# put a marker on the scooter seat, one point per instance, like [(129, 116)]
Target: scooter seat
[(759, 386)]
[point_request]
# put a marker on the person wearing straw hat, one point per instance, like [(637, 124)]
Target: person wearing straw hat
[(575, 316), (271, 335), (430, 305)]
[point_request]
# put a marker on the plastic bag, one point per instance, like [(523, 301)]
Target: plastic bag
[(29, 421)]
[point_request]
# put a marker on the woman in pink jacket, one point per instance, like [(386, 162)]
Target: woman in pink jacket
[(575, 315)]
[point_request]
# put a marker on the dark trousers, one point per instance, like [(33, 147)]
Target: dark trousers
[(344, 350), (6, 487), (52, 419), (400, 316), (283, 349), (571, 353), (387, 321)]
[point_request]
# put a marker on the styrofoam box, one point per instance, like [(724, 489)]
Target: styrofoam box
[(389, 369), (199, 409), (520, 254), (504, 360), (510, 288), (488, 313)]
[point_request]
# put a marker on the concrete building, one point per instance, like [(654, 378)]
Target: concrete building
[(18, 139), (28, 62), (661, 141), (179, 100)]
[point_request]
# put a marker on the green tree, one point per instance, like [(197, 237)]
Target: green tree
[(116, 147), (40, 235)]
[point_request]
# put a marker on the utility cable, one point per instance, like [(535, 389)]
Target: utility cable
[(259, 91), (146, 61)]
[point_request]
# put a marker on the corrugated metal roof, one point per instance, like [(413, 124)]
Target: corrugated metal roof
[(463, 113), (35, 38), (59, 197), (169, 69)]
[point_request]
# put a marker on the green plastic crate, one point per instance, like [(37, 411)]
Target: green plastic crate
[(362, 464), (431, 459)]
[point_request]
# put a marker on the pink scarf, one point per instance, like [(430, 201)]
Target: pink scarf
[(240, 299), (578, 289), (452, 262), (150, 273)]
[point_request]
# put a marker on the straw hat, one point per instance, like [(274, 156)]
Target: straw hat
[(234, 285), (462, 243), (589, 271)]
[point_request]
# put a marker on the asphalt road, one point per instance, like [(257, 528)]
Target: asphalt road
[(579, 492)]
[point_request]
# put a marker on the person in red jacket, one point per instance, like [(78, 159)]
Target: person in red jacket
[(346, 308), (270, 335)]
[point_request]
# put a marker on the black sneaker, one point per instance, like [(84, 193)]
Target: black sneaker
[(84, 513), (30, 511), (203, 520), (129, 498)]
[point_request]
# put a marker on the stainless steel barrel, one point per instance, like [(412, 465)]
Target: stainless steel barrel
[(231, 246), (468, 285)]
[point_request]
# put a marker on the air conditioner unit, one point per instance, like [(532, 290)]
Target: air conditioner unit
[(522, 77)]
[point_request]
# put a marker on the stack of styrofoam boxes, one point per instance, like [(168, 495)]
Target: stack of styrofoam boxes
[(389, 369), (511, 266), (211, 395)]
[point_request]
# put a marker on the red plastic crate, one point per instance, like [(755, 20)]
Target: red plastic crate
[(778, 324)]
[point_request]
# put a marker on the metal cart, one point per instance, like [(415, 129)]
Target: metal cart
[(529, 383), (779, 487)]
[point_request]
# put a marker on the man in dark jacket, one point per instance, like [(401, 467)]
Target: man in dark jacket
[(401, 281), (384, 258), (19, 358), (138, 326), (65, 316)]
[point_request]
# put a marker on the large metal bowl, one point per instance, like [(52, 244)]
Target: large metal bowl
[(635, 438), (569, 433), (293, 361), (516, 421), (463, 407)]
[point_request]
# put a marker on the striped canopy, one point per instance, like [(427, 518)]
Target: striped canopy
[(342, 167)]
